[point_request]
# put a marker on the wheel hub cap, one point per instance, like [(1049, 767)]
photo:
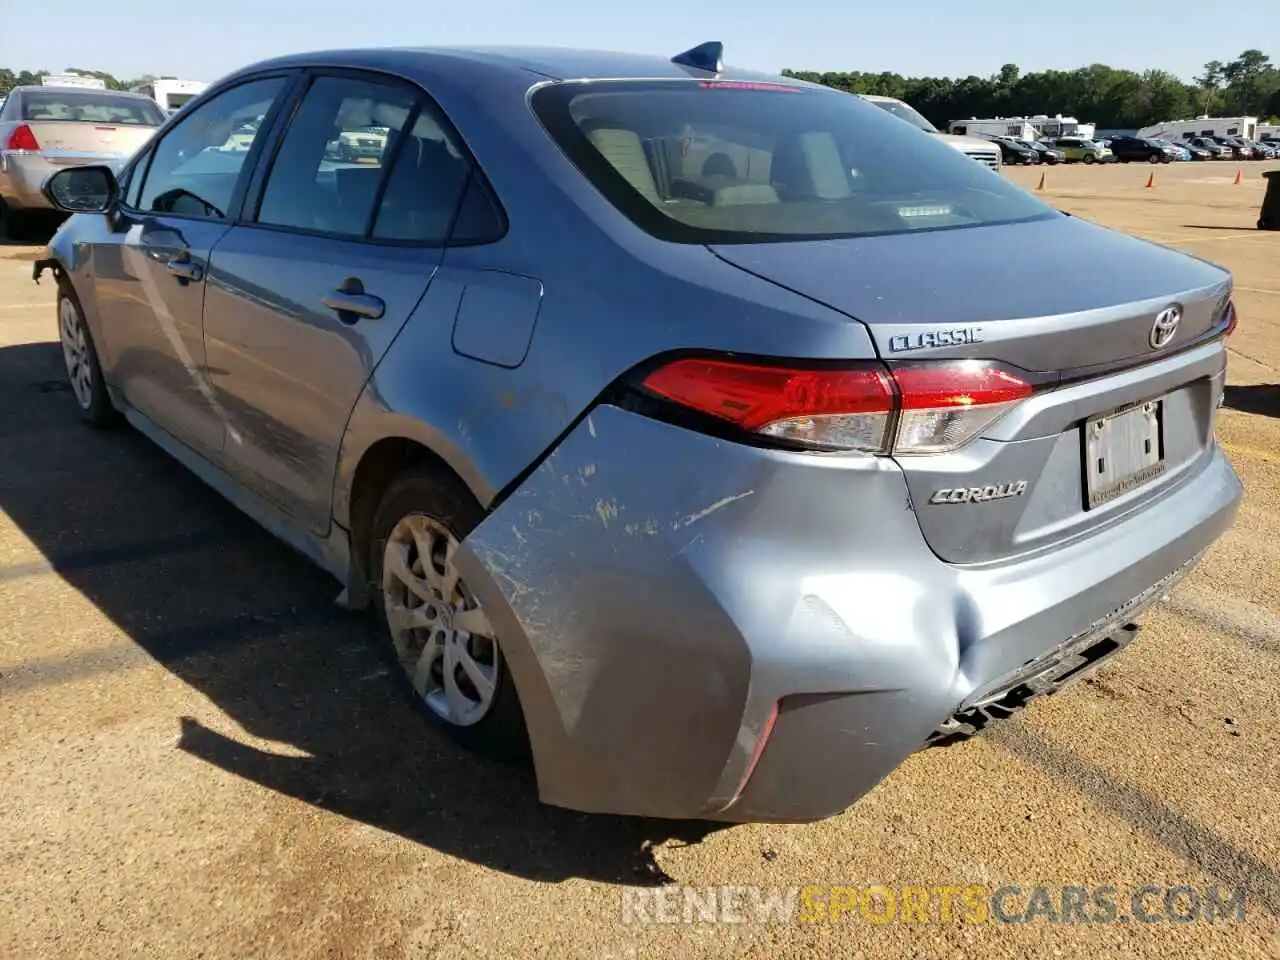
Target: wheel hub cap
[(443, 639), (75, 353)]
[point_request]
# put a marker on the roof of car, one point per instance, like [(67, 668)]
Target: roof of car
[(555, 63)]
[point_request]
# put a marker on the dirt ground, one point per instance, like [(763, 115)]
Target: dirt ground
[(199, 756)]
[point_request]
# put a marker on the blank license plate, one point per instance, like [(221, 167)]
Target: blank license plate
[(1123, 451)]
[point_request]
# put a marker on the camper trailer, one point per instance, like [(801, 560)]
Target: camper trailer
[(171, 93), (72, 80), (1016, 127), (1246, 127), (1039, 127), (1269, 132)]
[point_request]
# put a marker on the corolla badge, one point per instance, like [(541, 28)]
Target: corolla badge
[(1166, 325), (992, 491)]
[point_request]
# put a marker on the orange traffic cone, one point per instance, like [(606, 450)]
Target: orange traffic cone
[(1151, 180), (1239, 176), (1042, 176)]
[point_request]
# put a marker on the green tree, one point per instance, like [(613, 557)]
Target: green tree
[(1098, 93), (1209, 82)]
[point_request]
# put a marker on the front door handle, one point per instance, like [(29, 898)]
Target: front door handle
[(351, 303), (183, 267)]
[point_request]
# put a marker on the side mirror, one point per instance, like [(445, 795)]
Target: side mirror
[(82, 189)]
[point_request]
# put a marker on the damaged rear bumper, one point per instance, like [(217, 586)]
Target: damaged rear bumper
[(665, 597)]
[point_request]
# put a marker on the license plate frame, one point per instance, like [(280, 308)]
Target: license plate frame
[(1123, 451)]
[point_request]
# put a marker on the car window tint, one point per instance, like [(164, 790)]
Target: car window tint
[(326, 174), (198, 163), (479, 219), (735, 162), (425, 186)]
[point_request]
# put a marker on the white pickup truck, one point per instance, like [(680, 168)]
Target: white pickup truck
[(983, 151)]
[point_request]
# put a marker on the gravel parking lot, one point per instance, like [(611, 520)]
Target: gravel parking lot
[(200, 756)]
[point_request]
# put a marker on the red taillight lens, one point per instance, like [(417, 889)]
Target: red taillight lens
[(916, 409), (849, 409), (945, 406), (1232, 318), (22, 138)]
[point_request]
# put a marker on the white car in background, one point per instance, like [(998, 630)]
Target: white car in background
[(984, 151)]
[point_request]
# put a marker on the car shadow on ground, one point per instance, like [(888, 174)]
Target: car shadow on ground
[(253, 627), (1259, 398), (37, 233)]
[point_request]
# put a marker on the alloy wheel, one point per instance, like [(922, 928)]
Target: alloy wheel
[(75, 352), (443, 639)]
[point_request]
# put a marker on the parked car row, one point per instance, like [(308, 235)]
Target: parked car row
[(1220, 148), (1131, 149), (1060, 150)]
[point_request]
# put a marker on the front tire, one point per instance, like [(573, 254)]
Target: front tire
[(80, 356), (1090, 158), (435, 634)]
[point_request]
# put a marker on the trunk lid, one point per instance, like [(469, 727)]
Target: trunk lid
[(1045, 295), (1071, 303), (73, 138)]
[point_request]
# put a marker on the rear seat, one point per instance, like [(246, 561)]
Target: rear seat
[(625, 152)]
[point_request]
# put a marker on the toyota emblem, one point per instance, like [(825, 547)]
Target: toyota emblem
[(1166, 325)]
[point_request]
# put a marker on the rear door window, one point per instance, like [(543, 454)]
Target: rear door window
[(329, 169), (368, 158), (746, 162), (425, 186)]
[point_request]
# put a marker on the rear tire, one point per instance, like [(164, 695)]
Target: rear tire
[(80, 356), (1089, 158), (433, 630)]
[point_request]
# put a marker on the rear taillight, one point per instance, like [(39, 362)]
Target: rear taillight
[(23, 139), (944, 406), (909, 410), (1232, 318)]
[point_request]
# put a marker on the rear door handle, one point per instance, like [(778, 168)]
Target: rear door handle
[(183, 267), (351, 303)]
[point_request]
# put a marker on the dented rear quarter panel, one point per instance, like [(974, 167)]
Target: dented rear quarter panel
[(656, 608)]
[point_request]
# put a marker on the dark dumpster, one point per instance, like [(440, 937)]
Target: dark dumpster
[(1269, 218)]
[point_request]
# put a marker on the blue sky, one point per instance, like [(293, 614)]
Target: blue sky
[(936, 37)]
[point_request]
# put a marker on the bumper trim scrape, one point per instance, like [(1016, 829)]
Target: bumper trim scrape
[(1074, 659)]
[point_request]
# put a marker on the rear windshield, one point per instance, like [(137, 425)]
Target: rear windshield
[(90, 106), (722, 162)]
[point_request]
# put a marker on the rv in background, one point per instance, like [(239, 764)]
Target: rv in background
[(72, 80), (1246, 127), (1017, 127), (1269, 132), (171, 93), (1039, 127)]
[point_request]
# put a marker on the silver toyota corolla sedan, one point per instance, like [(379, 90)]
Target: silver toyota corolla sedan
[(712, 440)]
